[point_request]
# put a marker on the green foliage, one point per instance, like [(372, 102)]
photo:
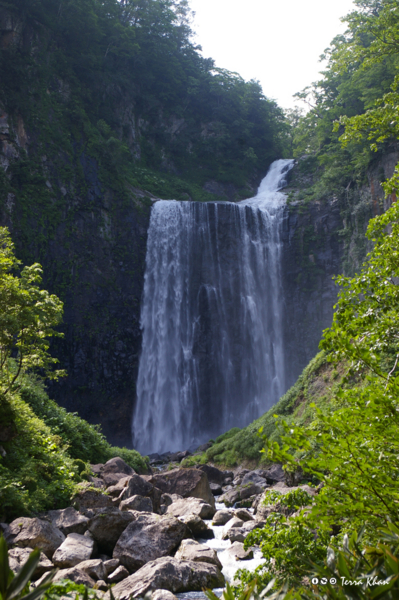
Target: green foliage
[(85, 442), (36, 473), (66, 587), (28, 316), (270, 497), (287, 546), (16, 587), (314, 384), (124, 83)]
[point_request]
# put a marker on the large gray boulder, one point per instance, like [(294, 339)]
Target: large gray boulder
[(18, 556), (230, 497), (185, 482), (191, 506), (236, 551), (114, 470), (238, 534), (68, 520), (221, 517), (243, 514), (73, 574), (132, 485), (274, 474), (254, 477), (111, 565), (117, 575), (107, 526), (34, 533), (169, 574), (232, 524), (192, 550), (197, 526), (163, 595), (94, 568), (148, 537), (214, 474), (140, 503), (88, 499), (74, 549)]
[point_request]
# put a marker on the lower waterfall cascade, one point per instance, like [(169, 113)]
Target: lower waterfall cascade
[(212, 317)]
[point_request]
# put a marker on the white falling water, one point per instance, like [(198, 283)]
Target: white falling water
[(212, 318)]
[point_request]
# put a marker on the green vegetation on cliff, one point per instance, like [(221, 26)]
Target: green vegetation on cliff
[(123, 82), (362, 67)]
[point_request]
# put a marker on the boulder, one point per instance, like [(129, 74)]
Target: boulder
[(68, 520), (191, 506), (221, 517), (250, 489), (111, 565), (234, 523), (179, 456), (107, 526), (170, 574), (96, 482), (117, 575), (163, 595), (238, 534), (192, 550), (197, 527), (139, 503), (254, 477), (34, 533), (214, 474), (148, 537), (94, 568), (114, 470), (73, 550), (87, 499), (74, 574), (18, 556), (168, 499), (155, 496), (102, 586), (97, 469), (239, 476), (216, 489), (236, 551), (185, 482), (230, 497), (134, 485), (274, 474), (243, 514)]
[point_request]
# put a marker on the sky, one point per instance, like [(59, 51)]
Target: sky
[(277, 42)]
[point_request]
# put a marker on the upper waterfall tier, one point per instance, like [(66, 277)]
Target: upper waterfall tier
[(212, 355)]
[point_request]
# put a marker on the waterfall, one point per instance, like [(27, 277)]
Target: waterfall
[(212, 318)]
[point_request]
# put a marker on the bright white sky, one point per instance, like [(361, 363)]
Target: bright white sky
[(277, 42)]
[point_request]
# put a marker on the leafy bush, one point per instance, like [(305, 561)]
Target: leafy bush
[(85, 442)]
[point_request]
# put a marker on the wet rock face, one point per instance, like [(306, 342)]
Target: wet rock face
[(311, 255)]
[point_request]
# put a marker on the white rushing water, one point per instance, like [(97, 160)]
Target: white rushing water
[(229, 563), (212, 318)]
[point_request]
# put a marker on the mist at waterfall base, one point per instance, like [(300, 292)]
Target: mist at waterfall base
[(212, 352)]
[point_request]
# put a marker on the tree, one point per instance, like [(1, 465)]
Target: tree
[(28, 316)]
